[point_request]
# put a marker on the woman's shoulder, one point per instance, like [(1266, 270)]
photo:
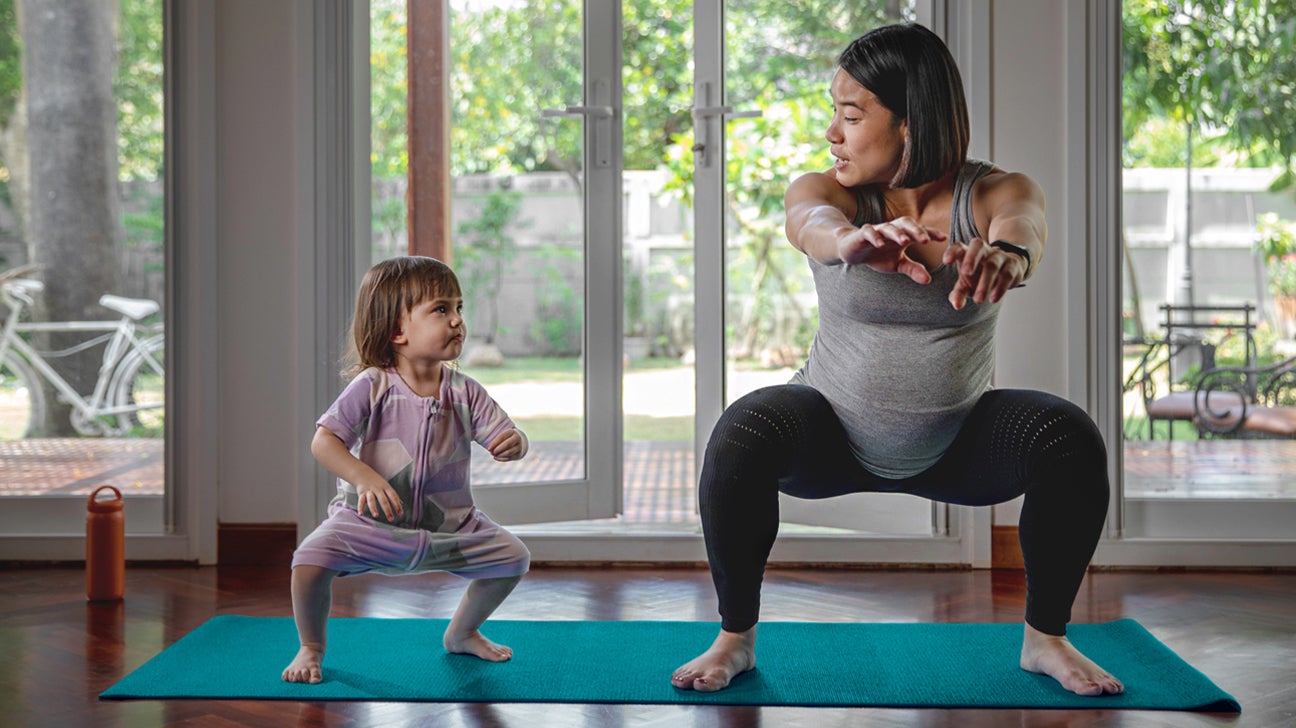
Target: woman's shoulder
[(819, 185), (814, 189), (992, 183)]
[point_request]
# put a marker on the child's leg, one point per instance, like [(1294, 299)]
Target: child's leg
[(312, 597), (479, 602)]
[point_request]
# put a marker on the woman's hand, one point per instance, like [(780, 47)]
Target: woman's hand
[(510, 445), (985, 273), (378, 494), (882, 247)]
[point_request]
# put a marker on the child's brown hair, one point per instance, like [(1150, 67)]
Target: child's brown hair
[(391, 288)]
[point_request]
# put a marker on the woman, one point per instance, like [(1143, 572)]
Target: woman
[(912, 246)]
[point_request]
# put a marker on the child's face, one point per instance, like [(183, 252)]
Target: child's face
[(433, 331)]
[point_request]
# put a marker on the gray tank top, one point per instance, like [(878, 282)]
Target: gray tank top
[(900, 367)]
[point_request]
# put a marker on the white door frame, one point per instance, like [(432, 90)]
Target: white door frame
[(599, 493), (1093, 78), (339, 249), (185, 516), (962, 535)]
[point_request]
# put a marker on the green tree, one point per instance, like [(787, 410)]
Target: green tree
[(511, 61), (1225, 67)]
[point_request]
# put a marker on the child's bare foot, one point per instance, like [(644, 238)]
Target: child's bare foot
[(732, 654), (305, 667), (476, 644), (1056, 657)]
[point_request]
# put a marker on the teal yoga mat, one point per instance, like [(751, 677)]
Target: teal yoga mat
[(798, 663)]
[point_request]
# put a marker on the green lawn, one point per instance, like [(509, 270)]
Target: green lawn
[(550, 369), (637, 427), (1136, 429)]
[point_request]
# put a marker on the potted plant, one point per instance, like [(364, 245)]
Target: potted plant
[(1277, 242)]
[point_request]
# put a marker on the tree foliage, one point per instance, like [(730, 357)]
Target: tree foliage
[(138, 86), (1227, 67)]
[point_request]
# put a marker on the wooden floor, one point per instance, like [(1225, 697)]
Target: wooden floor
[(57, 652)]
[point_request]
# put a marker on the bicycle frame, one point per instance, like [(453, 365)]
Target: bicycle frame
[(123, 343)]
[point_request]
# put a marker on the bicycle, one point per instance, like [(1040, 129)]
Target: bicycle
[(129, 393)]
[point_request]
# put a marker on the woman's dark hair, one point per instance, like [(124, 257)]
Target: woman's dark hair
[(913, 75)]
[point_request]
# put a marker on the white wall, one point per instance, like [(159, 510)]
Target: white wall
[(1028, 61), (259, 80)]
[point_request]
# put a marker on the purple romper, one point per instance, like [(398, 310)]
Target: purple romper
[(421, 445)]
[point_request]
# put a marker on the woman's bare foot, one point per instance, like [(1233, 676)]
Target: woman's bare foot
[(1056, 657), (732, 654), (477, 645), (305, 667)]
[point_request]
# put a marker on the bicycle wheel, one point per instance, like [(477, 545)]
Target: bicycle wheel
[(140, 380), (22, 401)]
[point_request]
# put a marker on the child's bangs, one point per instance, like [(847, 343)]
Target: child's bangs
[(427, 282)]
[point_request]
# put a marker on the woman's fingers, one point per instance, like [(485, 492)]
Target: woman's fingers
[(916, 271), (985, 273)]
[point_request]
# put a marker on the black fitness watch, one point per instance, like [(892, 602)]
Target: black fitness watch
[(1021, 250)]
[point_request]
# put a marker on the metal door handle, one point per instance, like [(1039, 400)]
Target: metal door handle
[(600, 130), (703, 113), (577, 111)]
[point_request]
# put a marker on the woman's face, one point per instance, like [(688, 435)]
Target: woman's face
[(866, 140)]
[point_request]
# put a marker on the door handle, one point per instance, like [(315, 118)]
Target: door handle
[(600, 117), (576, 112), (703, 113)]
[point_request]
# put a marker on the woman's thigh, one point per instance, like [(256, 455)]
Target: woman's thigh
[(811, 457), (1000, 446)]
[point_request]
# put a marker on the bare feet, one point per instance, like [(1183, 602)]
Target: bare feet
[(305, 667), (477, 645), (1056, 657), (732, 654)]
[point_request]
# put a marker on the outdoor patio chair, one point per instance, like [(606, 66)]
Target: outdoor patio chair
[(1250, 401), (1168, 387)]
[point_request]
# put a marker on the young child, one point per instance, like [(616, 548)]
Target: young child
[(399, 439)]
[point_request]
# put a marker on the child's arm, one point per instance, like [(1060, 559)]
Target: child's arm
[(373, 488), (509, 445)]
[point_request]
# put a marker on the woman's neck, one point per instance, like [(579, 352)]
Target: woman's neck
[(913, 201)]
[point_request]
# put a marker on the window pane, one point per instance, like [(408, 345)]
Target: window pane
[(518, 234), (1206, 312), (82, 201)]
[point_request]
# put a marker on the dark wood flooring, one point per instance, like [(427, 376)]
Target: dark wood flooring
[(57, 652)]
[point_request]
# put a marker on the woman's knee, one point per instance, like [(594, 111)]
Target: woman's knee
[(765, 421)]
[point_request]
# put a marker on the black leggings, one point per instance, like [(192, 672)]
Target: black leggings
[(787, 438)]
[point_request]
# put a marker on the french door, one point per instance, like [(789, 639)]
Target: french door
[(754, 132), (747, 119)]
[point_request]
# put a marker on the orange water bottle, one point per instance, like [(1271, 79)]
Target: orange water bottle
[(105, 547)]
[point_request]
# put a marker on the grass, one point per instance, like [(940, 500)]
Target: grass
[(636, 427), (1136, 429), (566, 369)]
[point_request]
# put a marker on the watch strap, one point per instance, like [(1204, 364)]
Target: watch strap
[(1021, 250)]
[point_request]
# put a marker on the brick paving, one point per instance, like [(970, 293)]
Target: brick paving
[(660, 485)]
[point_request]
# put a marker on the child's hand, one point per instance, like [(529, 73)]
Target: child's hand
[(511, 445), (377, 496)]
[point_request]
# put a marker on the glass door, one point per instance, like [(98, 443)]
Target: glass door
[(1208, 264), (82, 266), (535, 200), (762, 108)]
